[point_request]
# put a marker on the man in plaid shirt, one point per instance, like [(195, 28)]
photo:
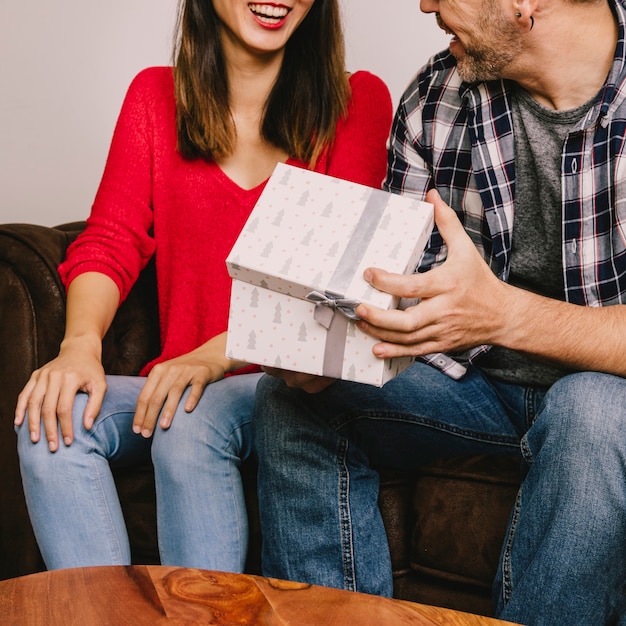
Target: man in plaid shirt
[(517, 136)]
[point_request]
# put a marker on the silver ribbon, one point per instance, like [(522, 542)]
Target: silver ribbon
[(327, 303)]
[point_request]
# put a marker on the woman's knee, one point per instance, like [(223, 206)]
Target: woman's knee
[(36, 460), (218, 427), (169, 446)]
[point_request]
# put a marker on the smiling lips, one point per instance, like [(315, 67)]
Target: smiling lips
[(270, 14)]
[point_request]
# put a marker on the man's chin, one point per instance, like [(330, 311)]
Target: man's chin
[(466, 73), (470, 73), (464, 65)]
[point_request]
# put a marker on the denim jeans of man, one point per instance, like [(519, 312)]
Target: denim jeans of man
[(202, 522), (564, 557)]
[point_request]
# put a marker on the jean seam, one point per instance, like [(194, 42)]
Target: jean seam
[(507, 574), (532, 399), (350, 417), (347, 548)]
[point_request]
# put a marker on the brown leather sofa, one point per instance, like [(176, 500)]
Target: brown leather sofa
[(445, 523)]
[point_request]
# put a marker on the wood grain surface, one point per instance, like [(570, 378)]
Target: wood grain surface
[(154, 595)]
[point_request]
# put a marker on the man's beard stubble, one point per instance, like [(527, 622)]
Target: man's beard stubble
[(486, 58)]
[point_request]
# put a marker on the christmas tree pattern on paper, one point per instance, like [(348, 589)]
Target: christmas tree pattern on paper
[(302, 333), (317, 281), (368, 292), (267, 250), (395, 250), (278, 218), (253, 225), (278, 314), (306, 241), (286, 176), (303, 198)]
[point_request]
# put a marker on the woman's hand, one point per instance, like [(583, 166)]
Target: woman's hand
[(167, 382), (49, 393), (92, 300)]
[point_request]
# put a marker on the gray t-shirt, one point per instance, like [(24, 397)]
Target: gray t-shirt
[(536, 254)]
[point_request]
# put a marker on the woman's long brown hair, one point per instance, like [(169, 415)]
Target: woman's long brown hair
[(308, 98)]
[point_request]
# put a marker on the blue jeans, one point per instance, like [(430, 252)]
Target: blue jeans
[(563, 560), (201, 514)]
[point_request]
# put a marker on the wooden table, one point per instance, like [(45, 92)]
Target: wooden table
[(153, 595)]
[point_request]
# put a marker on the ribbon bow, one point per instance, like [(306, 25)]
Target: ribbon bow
[(327, 304)]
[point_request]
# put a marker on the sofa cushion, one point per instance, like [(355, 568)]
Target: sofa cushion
[(461, 509)]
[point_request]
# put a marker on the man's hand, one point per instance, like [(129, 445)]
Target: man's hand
[(306, 382), (458, 306), (459, 300)]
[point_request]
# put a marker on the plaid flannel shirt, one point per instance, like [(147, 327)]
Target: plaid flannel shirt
[(458, 138)]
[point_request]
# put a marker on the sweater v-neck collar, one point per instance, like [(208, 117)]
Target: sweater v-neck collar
[(234, 186)]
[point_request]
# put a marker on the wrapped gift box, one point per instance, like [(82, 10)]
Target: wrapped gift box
[(297, 270)]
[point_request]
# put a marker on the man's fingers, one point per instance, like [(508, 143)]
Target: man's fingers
[(372, 318), (448, 223), (402, 285)]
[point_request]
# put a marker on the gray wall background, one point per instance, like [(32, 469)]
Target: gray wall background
[(65, 67)]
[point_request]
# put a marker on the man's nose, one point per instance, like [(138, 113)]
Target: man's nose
[(429, 6)]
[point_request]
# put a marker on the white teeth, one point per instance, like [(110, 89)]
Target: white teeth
[(266, 11)]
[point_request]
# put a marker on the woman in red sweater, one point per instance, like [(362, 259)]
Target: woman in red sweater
[(253, 84)]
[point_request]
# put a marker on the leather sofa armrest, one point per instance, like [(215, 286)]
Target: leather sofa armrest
[(32, 323), (32, 298), (32, 319)]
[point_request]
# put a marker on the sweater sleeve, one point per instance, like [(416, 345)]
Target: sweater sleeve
[(117, 240), (359, 152)]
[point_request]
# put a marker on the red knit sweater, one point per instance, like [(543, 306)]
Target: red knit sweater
[(189, 213)]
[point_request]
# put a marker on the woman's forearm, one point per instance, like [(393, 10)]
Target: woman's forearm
[(92, 301)]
